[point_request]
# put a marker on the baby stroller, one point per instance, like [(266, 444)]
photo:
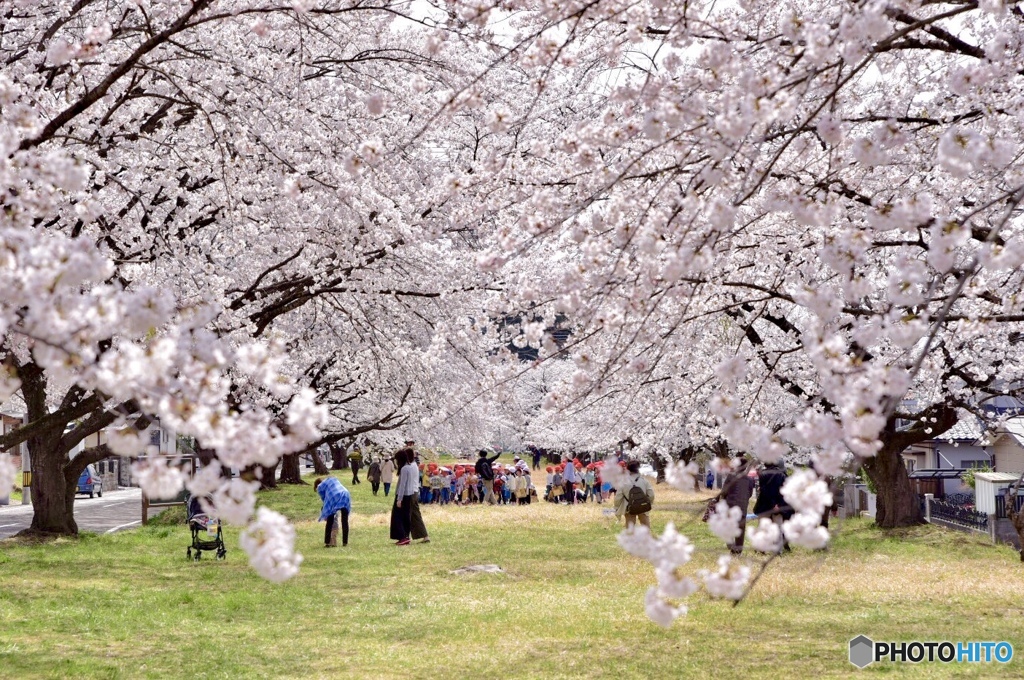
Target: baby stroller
[(199, 521)]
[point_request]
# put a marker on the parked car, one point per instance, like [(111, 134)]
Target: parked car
[(89, 482)]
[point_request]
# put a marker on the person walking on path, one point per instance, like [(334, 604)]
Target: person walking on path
[(406, 520), (387, 475), (337, 501), (355, 460), (373, 475), (635, 498), (486, 472)]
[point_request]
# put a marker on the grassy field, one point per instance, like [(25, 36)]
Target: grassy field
[(129, 605)]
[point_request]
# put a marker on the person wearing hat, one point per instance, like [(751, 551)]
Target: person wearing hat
[(411, 445), (486, 472), (557, 486), (588, 482)]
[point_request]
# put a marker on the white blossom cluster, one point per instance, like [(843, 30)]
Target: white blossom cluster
[(270, 543), (724, 522), (682, 476), (668, 554), (729, 580)]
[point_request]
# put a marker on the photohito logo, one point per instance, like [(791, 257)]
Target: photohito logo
[(864, 651)]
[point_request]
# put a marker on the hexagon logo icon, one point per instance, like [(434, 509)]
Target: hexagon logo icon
[(862, 651)]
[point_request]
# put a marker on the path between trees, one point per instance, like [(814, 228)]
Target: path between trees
[(115, 511)]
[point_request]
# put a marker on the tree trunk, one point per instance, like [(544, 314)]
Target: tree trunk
[(268, 476), (53, 499), (337, 458), (686, 456), (319, 468), (897, 505), (208, 457), (290, 470), (1016, 518), (1018, 524), (53, 496)]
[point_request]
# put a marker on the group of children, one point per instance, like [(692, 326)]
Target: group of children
[(463, 486), (586, 484), (513, 484)]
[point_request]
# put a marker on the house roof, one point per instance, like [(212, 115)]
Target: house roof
[(996, 477), (937, 473), (967, 428), (1011, 427), (1015, 428)]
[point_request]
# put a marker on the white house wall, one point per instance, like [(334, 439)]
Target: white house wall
[(958, 456)]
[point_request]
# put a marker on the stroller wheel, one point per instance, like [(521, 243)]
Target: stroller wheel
[(199, 553), (188, 553), (222, 554)]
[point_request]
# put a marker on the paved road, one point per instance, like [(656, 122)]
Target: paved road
[(115, 511)]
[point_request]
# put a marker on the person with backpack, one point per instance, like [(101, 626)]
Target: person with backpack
[(485, 471), (635, 498)]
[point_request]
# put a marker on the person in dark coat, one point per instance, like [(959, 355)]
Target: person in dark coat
[(736, 491), (373, 474), (770, 480), (770, 502)]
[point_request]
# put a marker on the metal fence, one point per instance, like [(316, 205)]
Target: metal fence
[(1001, 505), (961, 499), (958, 514)]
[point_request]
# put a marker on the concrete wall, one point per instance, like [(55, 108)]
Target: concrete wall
[(1009, 455), (1005, 533)]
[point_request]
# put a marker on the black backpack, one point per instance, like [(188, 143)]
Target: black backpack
[(637, 502)]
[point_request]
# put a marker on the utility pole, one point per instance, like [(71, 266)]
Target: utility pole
[(26, 472)]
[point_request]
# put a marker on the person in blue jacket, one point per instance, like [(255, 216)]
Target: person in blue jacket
[(337, 500)]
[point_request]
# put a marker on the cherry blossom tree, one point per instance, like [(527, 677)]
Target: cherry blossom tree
[(203, 225), (838, 186)]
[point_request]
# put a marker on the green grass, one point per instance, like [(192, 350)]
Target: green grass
[(129, 605)]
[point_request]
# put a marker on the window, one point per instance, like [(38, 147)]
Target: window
[(967, 464), (911, 464)]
